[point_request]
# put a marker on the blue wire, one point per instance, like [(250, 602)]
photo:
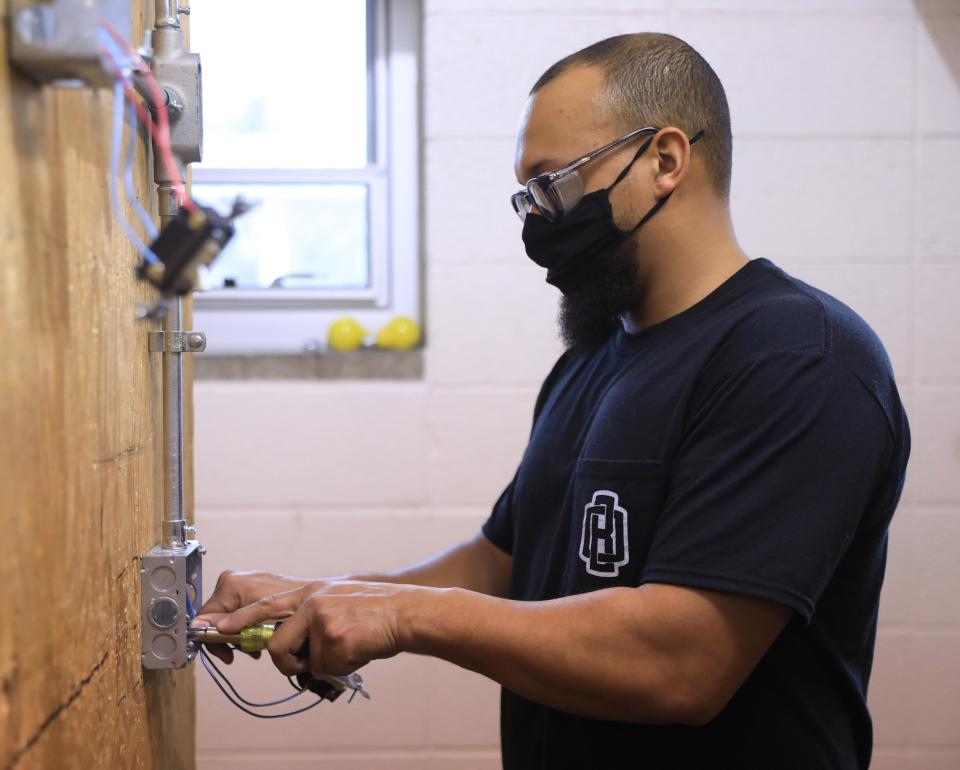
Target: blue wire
[(128, 173), (116, 54), (299, 692), (207, 662), (118, 103)]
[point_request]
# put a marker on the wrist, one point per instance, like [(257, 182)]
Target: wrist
[(425, 616)]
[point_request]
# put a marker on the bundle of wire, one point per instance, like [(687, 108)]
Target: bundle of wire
[(220, 679), (124, 62)]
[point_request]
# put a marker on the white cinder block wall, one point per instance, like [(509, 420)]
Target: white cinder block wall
[(846, 117)]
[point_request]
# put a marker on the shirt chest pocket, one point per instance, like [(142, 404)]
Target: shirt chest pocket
[(615, 508)]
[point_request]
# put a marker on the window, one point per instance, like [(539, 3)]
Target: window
[(310, 111)]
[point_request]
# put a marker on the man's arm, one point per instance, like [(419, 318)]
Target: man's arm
[(476, 565), (655, 654)]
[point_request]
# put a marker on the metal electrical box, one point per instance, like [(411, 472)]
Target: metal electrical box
[(171, 581), (60, 40)]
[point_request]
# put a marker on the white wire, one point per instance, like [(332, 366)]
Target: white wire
[(128, 172), (118, 105)]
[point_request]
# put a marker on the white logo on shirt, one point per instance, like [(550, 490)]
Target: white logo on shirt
[(604, 545)]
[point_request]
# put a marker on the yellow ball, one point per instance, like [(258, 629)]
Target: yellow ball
[(402, 333), (346, 334)]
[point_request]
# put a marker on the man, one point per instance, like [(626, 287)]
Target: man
[(685, 570)]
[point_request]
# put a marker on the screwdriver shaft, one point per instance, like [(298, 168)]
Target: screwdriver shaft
[(212, 636)]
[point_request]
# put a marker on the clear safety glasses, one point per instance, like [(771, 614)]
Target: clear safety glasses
[(557, 192)]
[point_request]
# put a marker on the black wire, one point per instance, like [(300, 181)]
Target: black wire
[(239, 696), (205, 660)]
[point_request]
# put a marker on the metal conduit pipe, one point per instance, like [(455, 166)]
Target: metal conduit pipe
[(173, 525), (167, 14), (167, 37)]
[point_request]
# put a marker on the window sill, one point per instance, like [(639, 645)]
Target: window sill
[(361, 365)]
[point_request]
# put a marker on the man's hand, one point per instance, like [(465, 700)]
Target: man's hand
[(240, 589), (346, 623)]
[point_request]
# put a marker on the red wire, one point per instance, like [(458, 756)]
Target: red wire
[(131, 95), (159, 129)]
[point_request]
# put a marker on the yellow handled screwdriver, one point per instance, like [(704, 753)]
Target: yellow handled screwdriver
[(254, 639), (250, 639)]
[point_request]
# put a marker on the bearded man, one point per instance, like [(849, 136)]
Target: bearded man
[(685, 570)]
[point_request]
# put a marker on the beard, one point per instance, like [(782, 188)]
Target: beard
[(591, 313)]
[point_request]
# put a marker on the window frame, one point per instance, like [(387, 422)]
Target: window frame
[(288, 320)]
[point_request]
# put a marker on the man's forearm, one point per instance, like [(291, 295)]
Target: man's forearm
[(476, 565), (585, 655)]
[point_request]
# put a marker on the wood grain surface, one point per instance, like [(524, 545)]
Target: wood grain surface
[(80, 437)]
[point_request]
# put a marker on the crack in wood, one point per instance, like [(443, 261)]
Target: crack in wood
[(52, 717), (130, 451)]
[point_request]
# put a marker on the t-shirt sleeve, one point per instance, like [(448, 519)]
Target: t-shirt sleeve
[(498, 528), (778, 463)]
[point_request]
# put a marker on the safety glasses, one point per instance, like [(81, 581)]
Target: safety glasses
[(558, 192)]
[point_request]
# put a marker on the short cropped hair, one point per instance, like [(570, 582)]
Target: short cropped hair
[(659, 80)]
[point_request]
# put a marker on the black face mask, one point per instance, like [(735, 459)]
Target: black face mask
[(571, 247)]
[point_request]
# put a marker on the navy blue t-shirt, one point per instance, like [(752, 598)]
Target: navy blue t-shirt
[(753, 444)]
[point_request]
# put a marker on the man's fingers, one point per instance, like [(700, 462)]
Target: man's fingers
[(208, 619), (221, 651), (287, 642), (213, 606), (270, 607), (227, 596)]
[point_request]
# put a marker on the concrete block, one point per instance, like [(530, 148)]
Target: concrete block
[(938, 237), (318, 543), (477, 439), (784, 7), (816, 74), (293, 443), (936, 568), (936, 331), (555, 7), (479, 69), (823, 202), (934, 694), (889, 682), (470, 219), (939, 65), (492, 325), (463, 708), (934, 415)]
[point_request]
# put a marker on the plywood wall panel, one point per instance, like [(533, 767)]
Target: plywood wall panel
[(80, 463)]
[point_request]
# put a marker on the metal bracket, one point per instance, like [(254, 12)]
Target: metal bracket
[(176, 342)]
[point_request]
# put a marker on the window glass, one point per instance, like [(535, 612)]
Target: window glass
[(302, 236), (285, 84)]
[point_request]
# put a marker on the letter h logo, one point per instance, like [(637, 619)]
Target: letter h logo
[(604, 545)]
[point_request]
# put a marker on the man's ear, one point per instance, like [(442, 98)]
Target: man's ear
[(671, 148)]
